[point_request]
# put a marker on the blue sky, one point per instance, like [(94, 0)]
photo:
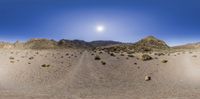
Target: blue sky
[(174, 21)]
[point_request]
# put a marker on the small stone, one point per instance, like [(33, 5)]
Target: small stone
[(147, 78)]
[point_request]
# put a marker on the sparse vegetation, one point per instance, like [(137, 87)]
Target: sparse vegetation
[(159, 54), (45, 65), (30, 58), (97, 57), (11, 58), (103, 63), (12, 61), (112, 54), (100, 52), (130, 52), (164, 61), (146, 57), (194, 55), (130, 55), (122, 54)]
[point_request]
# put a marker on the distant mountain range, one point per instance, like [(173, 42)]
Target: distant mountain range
[(189, 46), (52, 44), (145, 44)]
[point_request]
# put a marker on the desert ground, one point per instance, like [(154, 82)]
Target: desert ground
[(86, 74)]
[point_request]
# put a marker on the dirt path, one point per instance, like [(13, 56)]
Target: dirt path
[(58, 90)]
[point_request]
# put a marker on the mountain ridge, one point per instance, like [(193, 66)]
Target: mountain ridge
[(145, 44)]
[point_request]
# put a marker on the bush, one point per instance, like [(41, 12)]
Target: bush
[(146, 57), (103, 63), (194, 56), (159, 54), (101, 52), (112, 54), (97, 58), (164, 61), (31, 58), (12, 58), (45, 65), (130, 52), (122, 54), (130, 55), (12, 61)]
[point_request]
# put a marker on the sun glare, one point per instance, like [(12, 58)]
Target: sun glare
[(100, 28)]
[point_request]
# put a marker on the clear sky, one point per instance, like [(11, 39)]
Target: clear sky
[(174, 21)]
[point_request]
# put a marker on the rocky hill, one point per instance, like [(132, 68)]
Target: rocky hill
[(52, 44), (73, 44), (152, 42), (40, 44), (149, 43)]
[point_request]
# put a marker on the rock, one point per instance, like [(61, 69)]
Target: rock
[(147, 78)]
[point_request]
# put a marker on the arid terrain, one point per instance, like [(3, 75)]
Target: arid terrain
[(147, 69)]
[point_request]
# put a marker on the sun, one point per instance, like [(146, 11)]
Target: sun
[(100, 28)]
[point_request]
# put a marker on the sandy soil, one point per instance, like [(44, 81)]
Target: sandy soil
[(74, 74)]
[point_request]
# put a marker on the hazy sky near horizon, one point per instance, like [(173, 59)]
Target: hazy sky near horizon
[(174, 21)]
